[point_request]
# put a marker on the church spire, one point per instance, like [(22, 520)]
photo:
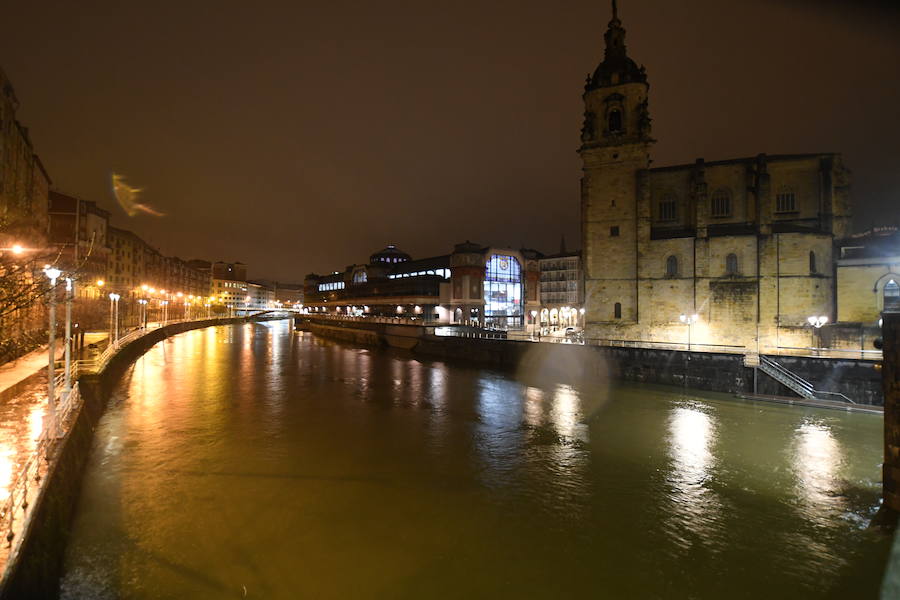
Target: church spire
[(617, 67)]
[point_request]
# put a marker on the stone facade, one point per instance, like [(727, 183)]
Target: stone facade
[(562, 290), (744, 244), (24, 183)]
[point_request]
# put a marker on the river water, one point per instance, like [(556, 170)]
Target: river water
[(250, 461)]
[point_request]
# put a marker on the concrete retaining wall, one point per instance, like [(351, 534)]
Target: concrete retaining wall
[(719, 372), (35, 571)]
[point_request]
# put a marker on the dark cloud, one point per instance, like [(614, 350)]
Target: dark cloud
[(302, 136)]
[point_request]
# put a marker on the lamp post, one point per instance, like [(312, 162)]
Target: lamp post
[(113, 317), (816, 323), (67, 387), (533, 322), (689, 320), (165, 304), (52, 274), (143, 314)]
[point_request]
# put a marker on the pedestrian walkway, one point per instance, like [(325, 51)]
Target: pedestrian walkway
[(16, 371)]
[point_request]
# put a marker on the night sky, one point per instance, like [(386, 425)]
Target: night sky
[(302, 136)]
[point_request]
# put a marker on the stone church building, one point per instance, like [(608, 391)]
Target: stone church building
[(746, 245)]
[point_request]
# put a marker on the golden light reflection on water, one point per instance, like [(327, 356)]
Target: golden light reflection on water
[(691, 433), (695, 507), (533, 406), (817, 458), (565, 411)]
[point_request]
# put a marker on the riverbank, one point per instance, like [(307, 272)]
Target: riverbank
[(860, 380)]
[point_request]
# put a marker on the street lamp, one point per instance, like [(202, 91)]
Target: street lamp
[(68, 374), (165, 304), (816, 323), (689, 320), (52, 274), (533, 322), (113, 317), (143, 315)]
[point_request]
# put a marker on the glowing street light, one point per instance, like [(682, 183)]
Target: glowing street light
[(689, 320), (17, 249), (52, 274), (816, 323), (70, 289), (113, 317)]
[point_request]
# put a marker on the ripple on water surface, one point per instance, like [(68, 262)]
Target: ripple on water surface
[(250, 458)]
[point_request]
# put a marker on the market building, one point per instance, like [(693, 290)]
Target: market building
[(473, 285)]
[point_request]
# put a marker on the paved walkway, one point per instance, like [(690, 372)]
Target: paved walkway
[(16, 371)]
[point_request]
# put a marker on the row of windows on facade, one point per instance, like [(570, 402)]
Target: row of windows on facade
[(731, 265), (559, 266), (720, 205), (334, 285), (445, 273)]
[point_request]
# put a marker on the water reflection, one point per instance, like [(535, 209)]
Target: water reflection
[(361, 473), (817, 459), (695, 507)]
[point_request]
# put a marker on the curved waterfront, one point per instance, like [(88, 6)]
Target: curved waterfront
[(247, 460)]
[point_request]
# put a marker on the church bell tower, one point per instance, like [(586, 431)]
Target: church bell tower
[(615, 153)]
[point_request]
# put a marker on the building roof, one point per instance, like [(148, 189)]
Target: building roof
[(765, 158), (422, 264), (874, 243), (390, 254)]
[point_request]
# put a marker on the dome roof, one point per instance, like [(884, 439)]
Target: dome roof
[(617, 68), (389, 255)]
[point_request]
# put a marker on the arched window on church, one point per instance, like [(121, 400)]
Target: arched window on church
[(892, 296), (672, 266), (617, 310), (731, 264), (615, 121), (812, 263)]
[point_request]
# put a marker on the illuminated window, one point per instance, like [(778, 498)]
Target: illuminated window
[(672, 266), (720, 205), (360, 277), (731, 264), (503, 292), (892, 296)]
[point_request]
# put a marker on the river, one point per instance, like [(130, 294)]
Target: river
[(251, 461)]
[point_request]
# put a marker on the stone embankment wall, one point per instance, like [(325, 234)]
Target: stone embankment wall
[(35, 571), (719, 372)]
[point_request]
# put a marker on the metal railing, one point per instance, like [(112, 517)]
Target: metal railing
[(827, 352), (26, 484), (796, 383), (27, 481)]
